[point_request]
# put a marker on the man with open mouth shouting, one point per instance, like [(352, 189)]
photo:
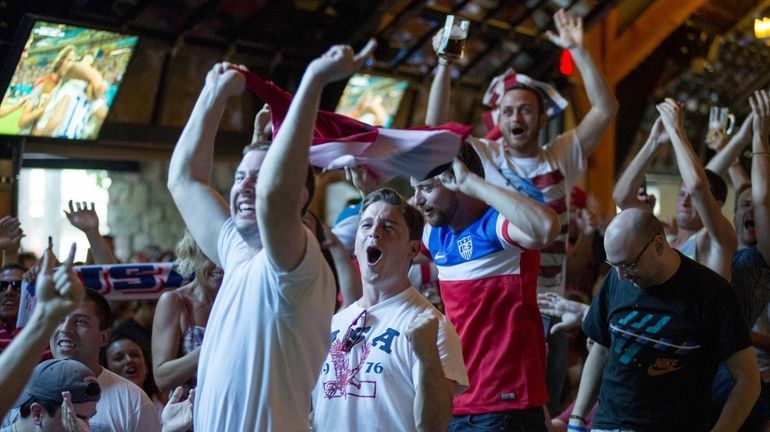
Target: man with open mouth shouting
[(267, 333), (394, 362)]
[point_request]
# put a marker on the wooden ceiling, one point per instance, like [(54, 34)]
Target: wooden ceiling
[(277, 38)]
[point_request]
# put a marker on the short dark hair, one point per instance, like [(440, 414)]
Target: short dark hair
[(536, 92), (717, 186), (103, 310), (412, 216), (471, 159)]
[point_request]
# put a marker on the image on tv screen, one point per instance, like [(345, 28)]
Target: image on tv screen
[(372, 99), (65, 81)]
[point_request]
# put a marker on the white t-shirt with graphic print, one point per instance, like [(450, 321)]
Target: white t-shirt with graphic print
[(372, 386)]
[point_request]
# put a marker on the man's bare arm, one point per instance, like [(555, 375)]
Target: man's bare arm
[(760, 170), (624, 193), (604, 106), (531, 224), (282, 175), (743, 368), (723, 242), (202, 208)]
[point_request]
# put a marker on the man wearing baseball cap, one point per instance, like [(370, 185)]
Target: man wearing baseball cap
[(42, 406)]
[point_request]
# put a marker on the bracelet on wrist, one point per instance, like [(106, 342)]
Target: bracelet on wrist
[(760, 154), (443, 61)]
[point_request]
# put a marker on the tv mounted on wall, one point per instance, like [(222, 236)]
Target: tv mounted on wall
[(61, 79), (372, 99)]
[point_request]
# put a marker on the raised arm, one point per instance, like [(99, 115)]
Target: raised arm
[(58, 292), (723, 240), (169, 370), (10, 238), (760, 170), (280, 188), (624, 193), (604, 106), (432, 406), (86, 220), (440, 89), (348, 277), (13, 107), (531, 224), (728, 155), (202, 208)]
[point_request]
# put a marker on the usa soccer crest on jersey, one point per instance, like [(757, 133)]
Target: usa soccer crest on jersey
[(465, 246)]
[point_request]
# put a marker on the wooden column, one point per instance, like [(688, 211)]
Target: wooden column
[(616, 56)]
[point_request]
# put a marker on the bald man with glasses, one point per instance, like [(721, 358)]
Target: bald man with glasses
[(661, 323)]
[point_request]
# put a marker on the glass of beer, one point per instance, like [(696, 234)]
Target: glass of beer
[(721, 119), (453, 38)]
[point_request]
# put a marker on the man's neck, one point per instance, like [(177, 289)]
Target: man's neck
[(375, 293), (670, 265), (682, 235), (467, 213), (95, 367), (9, 324)]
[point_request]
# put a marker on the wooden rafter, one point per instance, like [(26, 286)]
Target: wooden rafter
[(641, 38)]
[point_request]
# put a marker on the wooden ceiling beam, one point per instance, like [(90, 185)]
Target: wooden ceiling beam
[(646, 33)]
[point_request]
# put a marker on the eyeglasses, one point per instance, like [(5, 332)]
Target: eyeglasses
[(626, 268), (15, 285), (355, 334)]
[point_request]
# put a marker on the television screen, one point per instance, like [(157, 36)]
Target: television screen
[(63, 81), (372, 99)]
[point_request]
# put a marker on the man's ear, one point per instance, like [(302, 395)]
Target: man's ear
[(414, 248), (37, 411), (104, 337), (542, 121)]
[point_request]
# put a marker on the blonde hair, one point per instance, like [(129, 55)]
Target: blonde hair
[(189, 256)]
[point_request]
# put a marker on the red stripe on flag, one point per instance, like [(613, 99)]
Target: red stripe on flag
[(543, 181)]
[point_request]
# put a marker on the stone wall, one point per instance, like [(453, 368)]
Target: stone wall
[(143, 216)]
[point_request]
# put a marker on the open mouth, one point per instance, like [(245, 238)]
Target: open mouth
[(517, 130), (373, 255), (66, 344), (245, 208), (749, 224)]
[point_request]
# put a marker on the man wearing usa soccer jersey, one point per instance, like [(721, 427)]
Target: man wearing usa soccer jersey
[(483, 238), (543, 172)]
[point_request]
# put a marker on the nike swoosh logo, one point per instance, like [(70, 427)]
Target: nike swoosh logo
[(653, 371)]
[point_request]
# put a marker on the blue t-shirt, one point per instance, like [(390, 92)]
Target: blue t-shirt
[(751, 281)]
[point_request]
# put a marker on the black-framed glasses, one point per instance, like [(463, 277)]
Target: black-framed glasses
[(15, 285), (628, 268), (355, 334)]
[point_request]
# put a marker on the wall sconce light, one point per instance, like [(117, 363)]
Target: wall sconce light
[(762, 29)]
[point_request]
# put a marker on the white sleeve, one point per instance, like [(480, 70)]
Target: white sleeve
[(450, 351), (146, 416), (566, 152)]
